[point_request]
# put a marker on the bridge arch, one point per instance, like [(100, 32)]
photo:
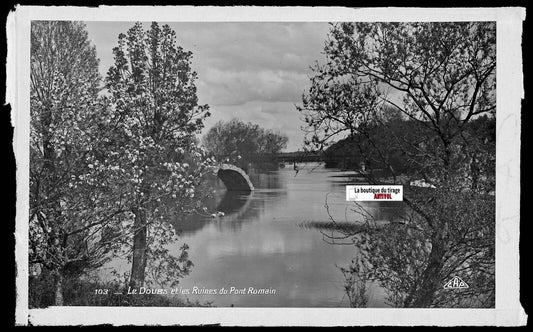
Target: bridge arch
[(234, 178)]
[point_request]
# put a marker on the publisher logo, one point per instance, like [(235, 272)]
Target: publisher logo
[(456, 283)]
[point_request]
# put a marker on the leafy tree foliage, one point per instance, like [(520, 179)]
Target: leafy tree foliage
[(108, 173), (439, 77), (71, 228), (235, 140), (155, 115)]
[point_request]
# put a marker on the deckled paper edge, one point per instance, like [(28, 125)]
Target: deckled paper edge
[(19, 100)]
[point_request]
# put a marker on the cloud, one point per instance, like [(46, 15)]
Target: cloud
[(254, 71), (243, 62), (272, 109), (253, 46), (225, 87)]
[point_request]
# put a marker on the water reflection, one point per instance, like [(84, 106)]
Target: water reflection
[(274, 238), (260, 241), (234, 203), (236, 206), (295, 234)]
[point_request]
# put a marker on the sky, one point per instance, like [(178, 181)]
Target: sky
[(256, 72)]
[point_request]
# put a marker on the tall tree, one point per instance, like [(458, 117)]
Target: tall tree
[(155, 117), (441, 77), (71, 218)]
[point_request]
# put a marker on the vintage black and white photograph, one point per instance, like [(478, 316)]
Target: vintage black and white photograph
[(209, 164)]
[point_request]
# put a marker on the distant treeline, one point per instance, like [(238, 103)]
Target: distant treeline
[(352, 152), (241, 143)]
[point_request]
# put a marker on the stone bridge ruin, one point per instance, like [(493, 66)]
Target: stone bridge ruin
[(234, 178)]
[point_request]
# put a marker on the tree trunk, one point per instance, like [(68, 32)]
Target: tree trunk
[(54, 219), (139, 249), (474, 171), (59, 289), (430, 277)]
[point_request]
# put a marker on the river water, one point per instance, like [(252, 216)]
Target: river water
[(271, 239)]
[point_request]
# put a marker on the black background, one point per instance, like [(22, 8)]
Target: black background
[(8, 166)]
